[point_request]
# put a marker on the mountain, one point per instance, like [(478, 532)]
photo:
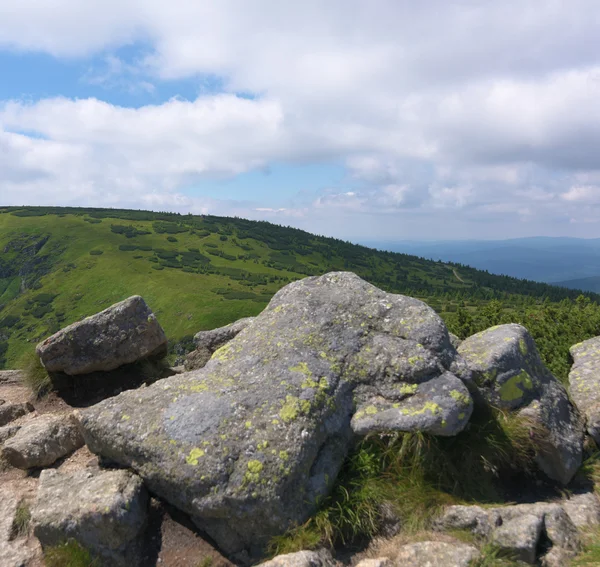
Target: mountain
[(588, 284), (58, 265), (543, 259)]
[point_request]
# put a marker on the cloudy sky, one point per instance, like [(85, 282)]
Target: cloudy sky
[(366, 120)]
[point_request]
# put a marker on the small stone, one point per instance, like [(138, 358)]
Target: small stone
[(10, 412), (477, 520), (378, 562), (519, 536), (557, 557), (320, 558), (42, 441)]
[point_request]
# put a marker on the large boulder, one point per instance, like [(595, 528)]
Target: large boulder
[(509, 374), (124, 333), (104, 511), (251, 443), (584, 383), (42, 441)]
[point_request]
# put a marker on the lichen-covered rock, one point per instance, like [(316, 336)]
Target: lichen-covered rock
[(509, 374), (251, 443), (434, 553), (105, 511), (320, 558), (519, 536), (207, 342), (10, 412), (584, 383), (42, 441), (124, 333)]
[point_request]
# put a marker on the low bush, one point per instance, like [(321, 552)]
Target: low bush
[(96, 252), (33, 373), (22, 519)]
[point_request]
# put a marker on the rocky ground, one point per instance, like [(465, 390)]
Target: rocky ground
[(170, 539)]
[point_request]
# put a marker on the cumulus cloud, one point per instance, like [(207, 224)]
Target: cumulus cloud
[(475, 110)]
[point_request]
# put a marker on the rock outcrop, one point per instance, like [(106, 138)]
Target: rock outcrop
[(251, 443), (584, 383), (207, 342), (509, 373), (124, 333), (42, 441), (104, 511)]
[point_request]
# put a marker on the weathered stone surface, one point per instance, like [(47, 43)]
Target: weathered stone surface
[(434, 553), (584, 383), (10, 412), (8, 431), (249, 444), (509, 373), (124, 333), (320, 558), (456, 341), (477, 520), (42, 441), (519, 536), (557, 557), (583, 509), (207, 342), (105, 511), (12, 553), (377, 562)]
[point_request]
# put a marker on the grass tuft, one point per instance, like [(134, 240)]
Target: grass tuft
[(69, 554), (21, 521), (492, 556), (414, 475), (34, 375)]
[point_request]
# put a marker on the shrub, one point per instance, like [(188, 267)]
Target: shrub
[(96, 252), (127, 247), (172, 239), (9, 321), (33, 373), (223, 238), (69, 554)]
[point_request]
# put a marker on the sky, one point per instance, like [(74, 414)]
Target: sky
[(364, 120)]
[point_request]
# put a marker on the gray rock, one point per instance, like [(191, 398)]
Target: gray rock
[(13, 553), (124, 333), (584, 383), (560, 529), (42, 441), (509, 374), (207, 342), (557, 557), (519, 536), (583, 509), (104, 510), (434, 553), (10, 412), (479, 521), (456, 341), (377, 562), (251, 443), (321, 558), (8, 431)]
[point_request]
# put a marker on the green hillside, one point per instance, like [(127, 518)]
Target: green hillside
[(58, 265)]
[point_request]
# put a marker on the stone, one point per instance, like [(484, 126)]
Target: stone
[(10, 412), (103, 510), (479, 521), (207, 342), (13, 553), (560, 529), (434, 553), (7, 431), (377, 562), (519, 536), (320, 558), (509, 374), (557, 557), (455, 340), (42, 441), (584, 383), (251, 443), (122, 334), (583, 509)]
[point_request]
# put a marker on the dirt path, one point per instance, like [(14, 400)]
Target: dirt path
[(457, 276), (170, 539)]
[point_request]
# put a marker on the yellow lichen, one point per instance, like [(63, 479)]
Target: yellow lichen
[(195, 454), (515, 387)]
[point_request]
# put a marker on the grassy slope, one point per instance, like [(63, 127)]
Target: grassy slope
[(188, 301)]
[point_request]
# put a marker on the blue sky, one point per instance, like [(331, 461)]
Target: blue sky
[(382, 120)]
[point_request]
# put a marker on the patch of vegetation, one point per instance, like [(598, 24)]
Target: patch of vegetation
[(128, 231), (96, 252), (34, 375), (172, 239), (21, 521), (414, 475), (69, 554)]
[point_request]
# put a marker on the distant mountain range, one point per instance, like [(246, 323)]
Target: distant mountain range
[(568, 262)]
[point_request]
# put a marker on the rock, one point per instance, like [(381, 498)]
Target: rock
[(557, 557), (454, 340), (251, 443), (479, 521), (207, 342), (104, 511), (8, 431), (519, 536), (509, 374), (11, 377), (10, 412), (13, 553), (434, 553), (124, 333), (584, 383), (583, 509), (320, 558), (560, 529), (378, 562), (42, 441)]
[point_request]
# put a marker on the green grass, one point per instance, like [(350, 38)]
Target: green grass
[(33, 373), (22, 519), (415, 475), (69, 554)]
